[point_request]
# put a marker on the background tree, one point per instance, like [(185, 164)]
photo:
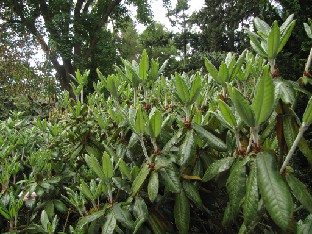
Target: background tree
[(297, 50), (159, 44), (129, 46), (71, 33), (21, 80), (222, 22), (180, 20)]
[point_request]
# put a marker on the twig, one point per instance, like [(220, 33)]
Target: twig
[(302, 129)]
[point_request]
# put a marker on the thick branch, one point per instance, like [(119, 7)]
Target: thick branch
[(104, 19), (77, 21), (78, 9), (86, 6), (48, 19)]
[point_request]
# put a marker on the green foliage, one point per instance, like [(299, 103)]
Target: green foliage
[(269, 41), (300, 191), (242, 107), (236, 188), (182, 212), (274, 191), (156, 154), (250, 205), (263, 102)]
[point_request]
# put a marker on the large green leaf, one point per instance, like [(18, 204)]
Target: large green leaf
[(143, 66), (140, 208), (273, 41), (213, 141), (154, 73), (217, 167), (111, 86), (195, 89), (274, 191), (223, 73), (250, 205), (44, 219), (182, 90), (300, 191), (95, 166), (87, 219), (255, 44), (139, 121), (307, 116), (124, 169), (182, 212), (107, 165), (242, 107), (230, 63), (123, 216), (306, 227), (140, 212), (132, 74), (153, 185), (186, 149), (139, 180), (212, 70), (92, 150), (285, 35), (85, 190), (287, 23), (262, 26), (110, 224), (308, 30), (263, 102), (290, 131), (4, 212), (174, 140), (285, 91), (236, 188), (171, 178), (227, 113), (238, 64), (192, 193), (155, 122)]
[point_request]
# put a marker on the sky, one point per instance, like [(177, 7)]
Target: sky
[(159, 12)]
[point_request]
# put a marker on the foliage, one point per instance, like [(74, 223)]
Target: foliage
[(143, 152), (72, 34), (21, 86)]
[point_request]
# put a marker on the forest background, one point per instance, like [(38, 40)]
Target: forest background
[(90, 35)]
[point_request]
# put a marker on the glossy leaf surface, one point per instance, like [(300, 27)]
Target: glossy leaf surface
[(300, 191), (217, 167), (236, 188), (243, 108), (250, 205), (274, 191), (227, 113), (141, 177), (264, 97), (182, 212), (213, 141), (153, 185)]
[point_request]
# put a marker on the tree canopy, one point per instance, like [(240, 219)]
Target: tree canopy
[(71, 33)]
